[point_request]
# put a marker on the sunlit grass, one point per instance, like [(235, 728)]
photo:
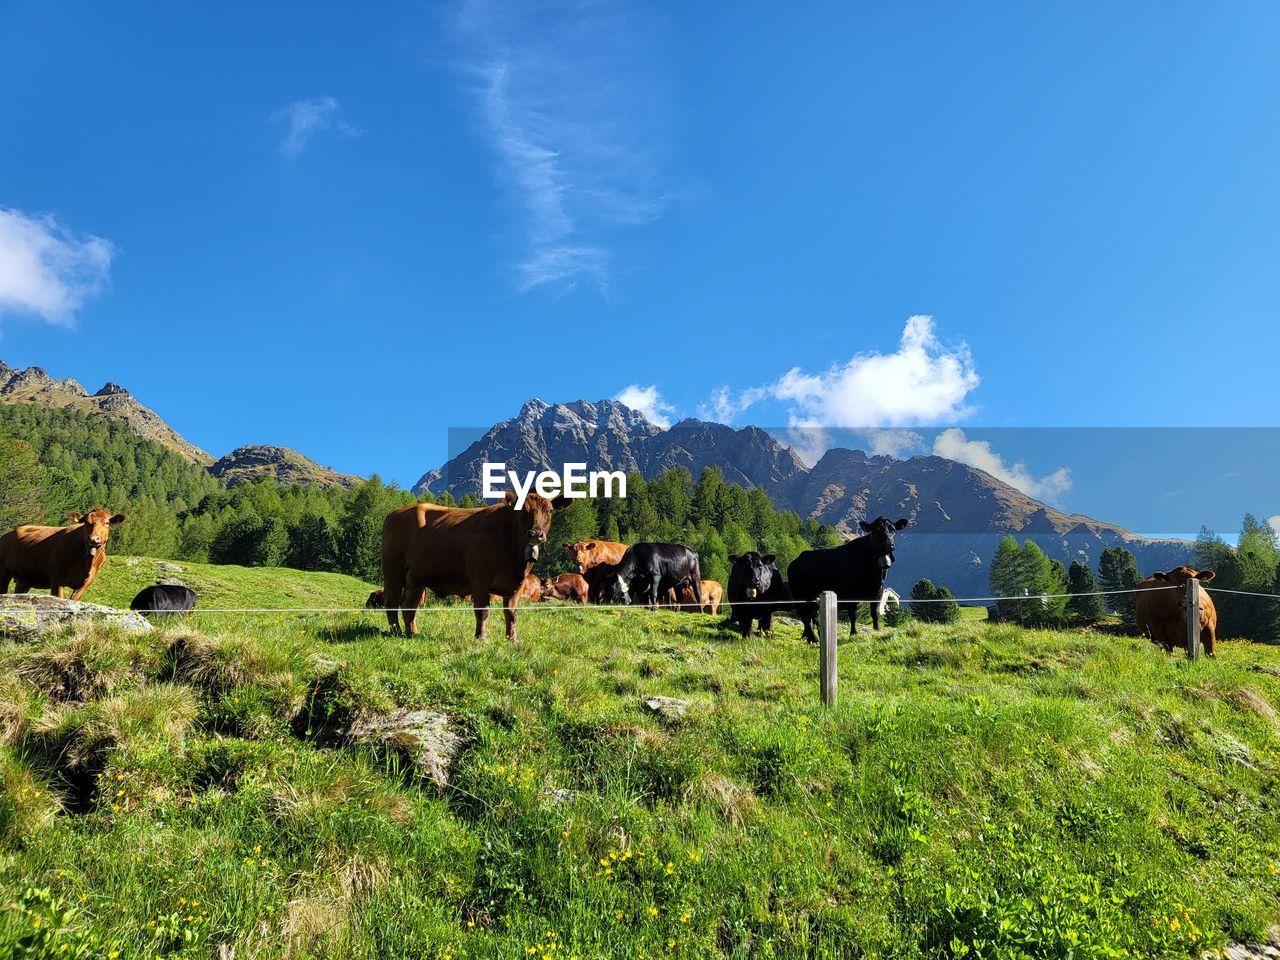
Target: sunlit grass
[(980, 790)]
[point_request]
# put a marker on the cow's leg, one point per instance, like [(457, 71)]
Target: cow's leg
[(746, 624), (853, 619), (21, 586), (54, 592), (809, 617), (393, 595), (482, 611), (5, 577), (77, 594), (411, 599), (875, 616), (1208, 640), (766, 622), (509, 605)]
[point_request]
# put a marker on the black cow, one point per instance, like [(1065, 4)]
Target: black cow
[(601, 583), (756, 592), (648, 570), (854, 571), (165, 598)]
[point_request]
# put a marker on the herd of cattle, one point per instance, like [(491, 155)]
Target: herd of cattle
[(484, 552)]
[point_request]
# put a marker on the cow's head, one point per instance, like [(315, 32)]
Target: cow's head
[(375, 601), (534, 519), (95, 526), (1178, 577), (756, 572), (881, 532), (583, 551)]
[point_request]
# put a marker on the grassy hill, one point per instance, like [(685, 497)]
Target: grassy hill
[(223, 586), (981, 790)]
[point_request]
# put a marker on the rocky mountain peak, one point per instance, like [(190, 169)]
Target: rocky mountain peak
[(34, 385), (286, 465)]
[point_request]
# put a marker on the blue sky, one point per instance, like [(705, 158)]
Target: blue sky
[(347, 228)]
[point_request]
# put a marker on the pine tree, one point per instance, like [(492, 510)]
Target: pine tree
[(1118, 570), (20, 485), (1081, 607)]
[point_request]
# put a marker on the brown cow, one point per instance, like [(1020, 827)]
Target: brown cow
[(567, 586), (712, 594), (462, 551), (530, 589), (591, 553), (50, 558), (1160, 612), (375, 601)]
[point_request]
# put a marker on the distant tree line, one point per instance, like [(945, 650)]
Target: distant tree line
[(1037, 591), (54, 461), (1253, 566)]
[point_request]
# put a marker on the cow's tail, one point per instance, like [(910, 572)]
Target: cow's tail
[(697, 582)]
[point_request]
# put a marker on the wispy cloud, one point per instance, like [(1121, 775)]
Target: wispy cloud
[(955, 445), (306, 118), (45, 270), (563, 91), (649, 402)]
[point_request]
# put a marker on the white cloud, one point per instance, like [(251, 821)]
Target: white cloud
[(893, 443), (649, 402), (954, 445), (306, 118), (561, 90), (924, 381), (45, 270), (1275, 524)]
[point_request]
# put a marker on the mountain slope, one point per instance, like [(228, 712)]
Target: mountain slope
[(34, 385), (958, 513), (287, 466), (607, 435)]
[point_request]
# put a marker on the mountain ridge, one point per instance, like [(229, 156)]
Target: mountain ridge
[(958, 513)]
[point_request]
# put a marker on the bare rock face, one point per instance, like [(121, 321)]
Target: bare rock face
[(424, 737), (26, 615)]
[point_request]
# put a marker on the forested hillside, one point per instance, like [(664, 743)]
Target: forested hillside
[(58, 460)]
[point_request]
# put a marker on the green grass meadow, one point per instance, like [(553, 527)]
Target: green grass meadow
[(981, 790)]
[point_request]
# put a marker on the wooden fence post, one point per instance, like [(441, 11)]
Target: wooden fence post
[(828, 628), (1193, 619)]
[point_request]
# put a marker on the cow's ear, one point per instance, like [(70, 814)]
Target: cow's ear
[(75, 517), (901, 524), (568, 547), (510, 498), (118, 518), (1204, 576), (864, 526), (768, 558), (560, 502), (734, 557), (589, 545), (1162, 577)]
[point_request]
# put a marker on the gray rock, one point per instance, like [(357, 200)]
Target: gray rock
[(25, 615), (559, 796), (425, 737), (669, 708), (168, 567), (1253, 951)]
